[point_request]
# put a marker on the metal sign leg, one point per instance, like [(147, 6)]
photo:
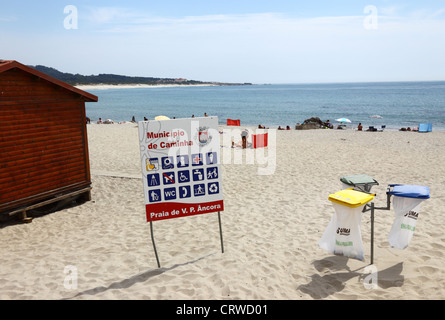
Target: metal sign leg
[(372, 232), (154, 245), (220, 232)]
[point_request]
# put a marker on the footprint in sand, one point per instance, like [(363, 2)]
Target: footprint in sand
[(428, 270)]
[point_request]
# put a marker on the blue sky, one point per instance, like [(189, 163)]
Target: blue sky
[(234, 41)]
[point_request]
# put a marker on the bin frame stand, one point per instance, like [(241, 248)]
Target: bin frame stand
[(372, 208)]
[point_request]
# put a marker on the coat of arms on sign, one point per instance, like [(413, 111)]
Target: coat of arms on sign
[(203, 136)]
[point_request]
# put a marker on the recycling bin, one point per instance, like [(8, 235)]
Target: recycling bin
[(343, 235), (407, 202)]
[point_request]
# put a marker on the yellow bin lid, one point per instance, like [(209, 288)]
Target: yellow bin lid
[(351, 198)]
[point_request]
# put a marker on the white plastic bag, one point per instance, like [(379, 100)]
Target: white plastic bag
[(406, 213), (343, 235)]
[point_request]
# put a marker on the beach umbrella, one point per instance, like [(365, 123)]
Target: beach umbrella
[(162, 118), (343, 120)]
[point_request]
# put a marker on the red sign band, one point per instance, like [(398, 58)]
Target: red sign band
[(169, 210)]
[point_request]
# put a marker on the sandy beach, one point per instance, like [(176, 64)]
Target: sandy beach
[(87, 87), (271, 227)]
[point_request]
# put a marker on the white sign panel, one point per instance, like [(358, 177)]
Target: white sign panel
[(181, 167)]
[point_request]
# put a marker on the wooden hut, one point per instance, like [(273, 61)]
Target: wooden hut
[(43, 139)]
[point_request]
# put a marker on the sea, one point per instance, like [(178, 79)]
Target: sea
[(393, 105)]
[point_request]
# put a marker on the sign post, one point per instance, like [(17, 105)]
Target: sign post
[(181, 169)]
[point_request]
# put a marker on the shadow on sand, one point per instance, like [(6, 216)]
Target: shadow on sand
[(139, 278), (339, 273)]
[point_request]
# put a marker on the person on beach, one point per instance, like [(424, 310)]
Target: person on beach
[(360, 127), (244, 135), (100, 121)]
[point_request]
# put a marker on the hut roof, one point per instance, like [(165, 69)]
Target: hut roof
[(6, 65)]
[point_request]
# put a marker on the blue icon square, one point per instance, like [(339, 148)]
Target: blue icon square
[(212, 173), (184, 192), (154, 195), (167, 163), (183, 176), (198, 174), (211, 158), (168, 178), (199, 190), (169, 194), (197, 159), (182, 161), (153, 180), (213, 188)]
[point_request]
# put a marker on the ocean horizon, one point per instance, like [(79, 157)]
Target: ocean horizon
[(392, 104)]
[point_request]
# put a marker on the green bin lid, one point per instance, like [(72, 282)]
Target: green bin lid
[(358, 179)]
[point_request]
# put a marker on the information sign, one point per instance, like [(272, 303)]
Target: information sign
[(181, 170)]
